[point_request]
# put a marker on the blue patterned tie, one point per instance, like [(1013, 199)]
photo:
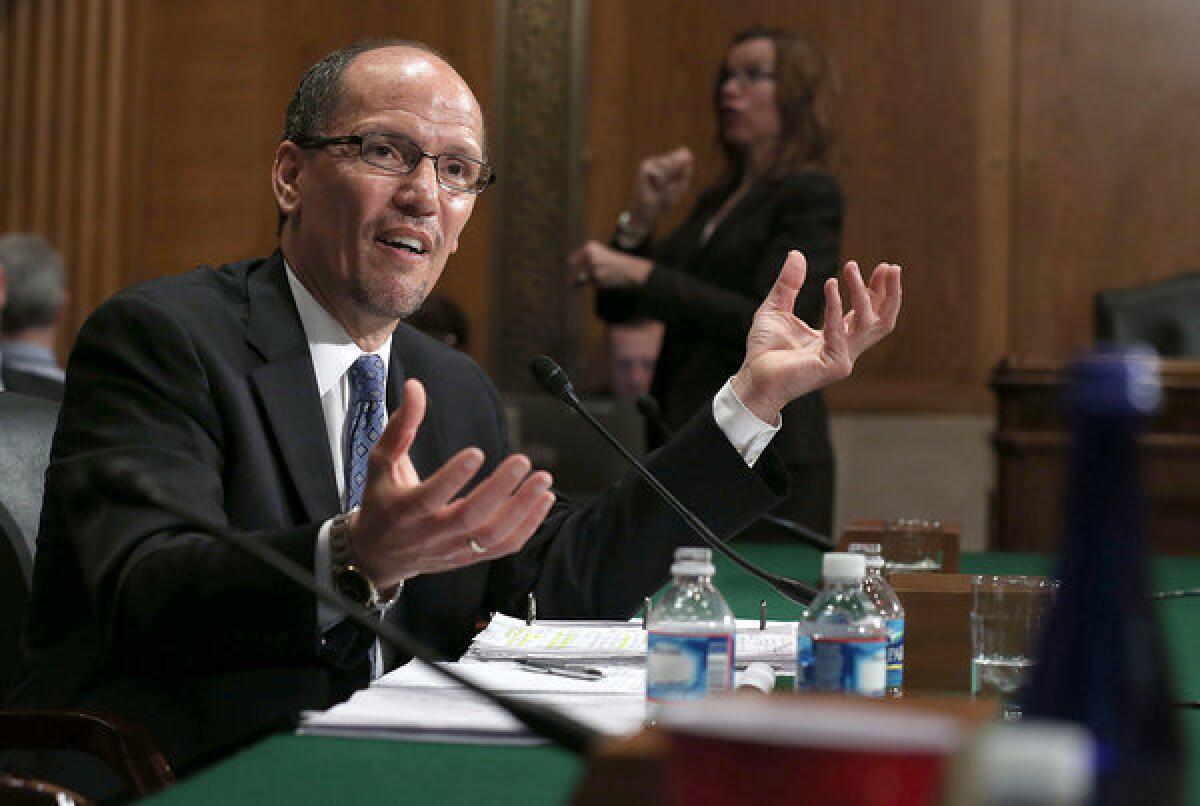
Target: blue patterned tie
[(365, 416)]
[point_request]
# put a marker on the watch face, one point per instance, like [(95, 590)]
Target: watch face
[(353, 585)]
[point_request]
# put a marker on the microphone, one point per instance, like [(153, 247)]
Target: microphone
[(555, 381), (648, 407), (125, 482), (1175, 594)]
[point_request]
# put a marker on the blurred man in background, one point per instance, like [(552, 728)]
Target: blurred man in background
[(632, 353), (443, 319), (31, 311)]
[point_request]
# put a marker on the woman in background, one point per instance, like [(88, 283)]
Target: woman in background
[(774, 97)]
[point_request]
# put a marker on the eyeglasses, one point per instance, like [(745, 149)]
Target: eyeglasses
[(399, 155), (747, 77)]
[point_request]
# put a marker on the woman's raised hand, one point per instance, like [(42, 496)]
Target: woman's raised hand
[(661, 181)]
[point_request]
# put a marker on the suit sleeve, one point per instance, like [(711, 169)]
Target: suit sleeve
[(807, 217), (166, 595), (617, 305), (599, 561)]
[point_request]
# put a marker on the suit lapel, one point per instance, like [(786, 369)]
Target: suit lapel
[(287, 388), (426, 452), (744, 207)]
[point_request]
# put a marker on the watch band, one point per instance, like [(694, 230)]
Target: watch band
[(348, 579), (629, 234)]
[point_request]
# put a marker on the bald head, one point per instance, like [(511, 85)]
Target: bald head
[(381, 79), (321, 91), (321, 94)]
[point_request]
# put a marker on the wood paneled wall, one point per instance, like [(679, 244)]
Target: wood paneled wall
[(1013, 156), (68, 164), (1108, 159)]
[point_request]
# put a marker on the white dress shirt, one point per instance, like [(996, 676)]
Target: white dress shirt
[(333, 353)]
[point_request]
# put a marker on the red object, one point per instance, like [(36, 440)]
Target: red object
[(705, 770)]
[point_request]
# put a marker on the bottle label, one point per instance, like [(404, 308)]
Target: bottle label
[(687, 667), (804, 659), (851, 665), (895, 654)]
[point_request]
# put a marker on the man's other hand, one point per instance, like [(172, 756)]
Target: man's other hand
[(786, 358), (409, 526)]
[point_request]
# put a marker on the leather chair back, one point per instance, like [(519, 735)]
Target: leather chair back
[(16, 566), (1165, 315), (26, 429)]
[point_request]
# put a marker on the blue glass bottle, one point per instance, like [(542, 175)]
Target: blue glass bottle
[(1101, 661)]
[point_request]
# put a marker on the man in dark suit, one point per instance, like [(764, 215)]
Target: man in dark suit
[(29, 317), (254, 395)]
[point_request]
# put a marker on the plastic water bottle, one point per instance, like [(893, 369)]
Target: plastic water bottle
[(1101, 662), (841, 643), (690, 641), (890, 610)]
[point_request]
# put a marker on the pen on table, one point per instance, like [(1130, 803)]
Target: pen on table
[(762, 614), (531, 610), (645, 611), (562, 670)]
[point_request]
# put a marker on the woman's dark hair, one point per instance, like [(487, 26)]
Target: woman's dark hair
[(806, 89)]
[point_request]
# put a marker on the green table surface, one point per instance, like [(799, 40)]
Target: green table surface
[(306, 769)]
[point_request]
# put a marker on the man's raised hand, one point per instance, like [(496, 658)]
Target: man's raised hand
[(786, 358)]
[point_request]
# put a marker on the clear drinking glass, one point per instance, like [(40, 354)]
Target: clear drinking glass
[(912, 546), (1006, 619)]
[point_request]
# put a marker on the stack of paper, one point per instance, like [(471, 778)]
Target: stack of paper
[(416, 703), (508, 638)]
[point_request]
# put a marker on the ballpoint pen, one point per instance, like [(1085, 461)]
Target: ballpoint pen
[(562, 670)]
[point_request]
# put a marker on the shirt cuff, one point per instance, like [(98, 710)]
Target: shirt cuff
[(749, 435), (323, 569)]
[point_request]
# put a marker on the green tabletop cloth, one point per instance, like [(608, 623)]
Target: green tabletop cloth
[(305, 769)]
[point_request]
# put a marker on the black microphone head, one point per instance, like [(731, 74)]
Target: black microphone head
[(647, 406), (552, 378)]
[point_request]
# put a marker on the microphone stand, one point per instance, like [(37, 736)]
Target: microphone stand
[(127, 483), (554, 380), (650, 411)]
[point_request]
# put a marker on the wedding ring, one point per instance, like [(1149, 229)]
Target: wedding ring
[(475, 547)]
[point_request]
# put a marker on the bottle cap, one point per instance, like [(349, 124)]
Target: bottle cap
[(843, 565), (757, 676), (693, 561), (1115, 381)]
